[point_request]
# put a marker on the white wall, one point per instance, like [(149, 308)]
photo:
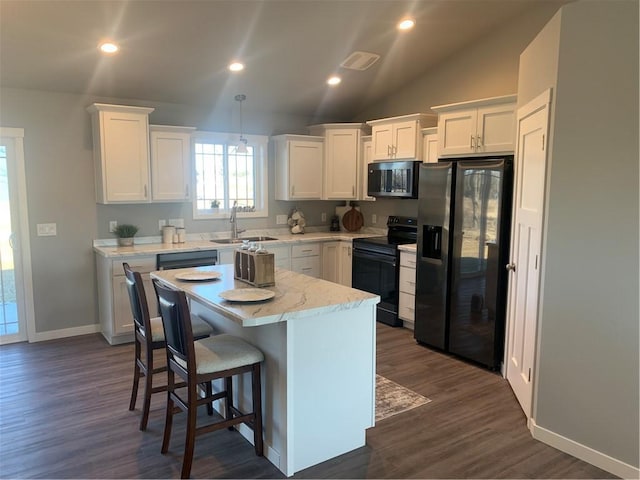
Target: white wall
[(587, 384)]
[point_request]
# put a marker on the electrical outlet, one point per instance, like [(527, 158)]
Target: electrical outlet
[(113, 225), (374, 219), (47, 229), (324, 217), (161, 223), (281, 219)]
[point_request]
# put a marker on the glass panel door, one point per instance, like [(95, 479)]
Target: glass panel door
[(12, 306)]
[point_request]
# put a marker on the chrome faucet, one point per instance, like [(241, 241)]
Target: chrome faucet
[(235, 231)]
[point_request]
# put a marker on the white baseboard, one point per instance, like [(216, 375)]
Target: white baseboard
[(588, 454), (65, 332)]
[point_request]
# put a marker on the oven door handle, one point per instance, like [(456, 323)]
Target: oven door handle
[(374, 256)]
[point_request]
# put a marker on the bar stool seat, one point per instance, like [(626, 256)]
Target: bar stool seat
[(202, 361), (201, 329)]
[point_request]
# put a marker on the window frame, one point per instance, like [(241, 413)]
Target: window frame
[(260, 144)]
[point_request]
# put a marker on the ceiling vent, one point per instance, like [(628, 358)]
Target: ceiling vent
[(360, 60)]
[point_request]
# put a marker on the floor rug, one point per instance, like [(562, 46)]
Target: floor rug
[(392, 398)]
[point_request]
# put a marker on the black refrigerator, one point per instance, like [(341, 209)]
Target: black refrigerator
[(464, 222)]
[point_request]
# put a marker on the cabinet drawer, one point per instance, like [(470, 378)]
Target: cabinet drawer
[(139, 264), (408, 259), (307, 266), (406, 306), (407, 280), (305, 250)]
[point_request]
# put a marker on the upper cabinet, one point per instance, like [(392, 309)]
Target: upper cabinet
[(430, 145), (298, 164), (364, 168), (121, 153), (399, 138), (341, 164), (170, 163), (480, 127)]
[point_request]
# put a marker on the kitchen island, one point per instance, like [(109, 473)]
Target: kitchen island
[(318, 339)]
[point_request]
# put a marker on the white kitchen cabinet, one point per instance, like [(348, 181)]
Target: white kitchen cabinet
[(481, 127), (305, 259), (121, 153), (399, 138), (299, 160), (430, 145), (336, 262), (407, 288), (116, 320), (170, 163), (341, 159), (365, 159)]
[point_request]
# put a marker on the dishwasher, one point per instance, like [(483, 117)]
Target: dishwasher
[(200, 258)]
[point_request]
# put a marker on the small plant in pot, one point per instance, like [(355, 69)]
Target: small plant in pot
[(125, 234), (215, 204)]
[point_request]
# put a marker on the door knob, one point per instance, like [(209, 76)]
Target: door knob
[(511, 267)]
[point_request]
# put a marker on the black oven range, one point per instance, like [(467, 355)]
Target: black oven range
[(376, 263)]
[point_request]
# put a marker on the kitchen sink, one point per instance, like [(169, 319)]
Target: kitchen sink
[(242, 239)]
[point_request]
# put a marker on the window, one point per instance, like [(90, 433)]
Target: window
[(222, 175)]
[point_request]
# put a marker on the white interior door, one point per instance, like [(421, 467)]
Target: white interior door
[(522, 317), (16, 296)]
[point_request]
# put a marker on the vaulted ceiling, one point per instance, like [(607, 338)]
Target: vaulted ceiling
[(178, 51)]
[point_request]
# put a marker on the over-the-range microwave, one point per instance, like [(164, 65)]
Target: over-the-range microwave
[(393, 179)]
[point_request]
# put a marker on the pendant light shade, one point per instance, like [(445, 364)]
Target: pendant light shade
[(242, 142)]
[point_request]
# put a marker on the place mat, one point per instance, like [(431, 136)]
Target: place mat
[(247, 295), (198, 276), (392, 398)]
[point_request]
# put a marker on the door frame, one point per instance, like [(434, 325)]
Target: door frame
[(23, 260)]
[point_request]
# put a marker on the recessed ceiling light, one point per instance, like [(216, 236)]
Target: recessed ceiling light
[(334, 80), (406, 24), (108, 47), (236, 67)]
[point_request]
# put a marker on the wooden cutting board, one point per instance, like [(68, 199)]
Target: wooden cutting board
[(353, 220)]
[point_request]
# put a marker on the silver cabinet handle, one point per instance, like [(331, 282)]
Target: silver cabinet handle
[(186, 191), (511, 267), (293, 190), (478, 141), (145, 191), (471, 145), (353, 190)]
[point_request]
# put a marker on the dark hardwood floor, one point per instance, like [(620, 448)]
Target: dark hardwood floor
[(64, 414)]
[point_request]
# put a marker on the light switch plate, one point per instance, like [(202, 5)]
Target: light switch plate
[(47, 229), (112, 226), (161, 223), (323, 217), (281, 219), (374, 219)]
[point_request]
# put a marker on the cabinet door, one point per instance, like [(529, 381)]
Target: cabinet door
[(496, 129), (345, 259), (457, 132), (305, 170), (282, 256), (341, 164), (125, 157), (430, 147), (405, 140), (307, 266), (122, 317), (406, 306), (364, 170), (382, 142), (170, 166), (330, 261)]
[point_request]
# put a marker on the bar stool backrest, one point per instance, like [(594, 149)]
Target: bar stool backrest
[(176, 321), (138, 299)]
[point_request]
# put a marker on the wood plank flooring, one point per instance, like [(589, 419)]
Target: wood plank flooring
[(64, 414)]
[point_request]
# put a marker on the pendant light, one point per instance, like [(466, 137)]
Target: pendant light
[(242, 142)]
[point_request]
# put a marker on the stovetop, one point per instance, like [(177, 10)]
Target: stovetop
[(400, 231)]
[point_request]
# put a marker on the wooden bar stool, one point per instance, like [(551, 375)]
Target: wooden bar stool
[(149, 332), (196, 362)]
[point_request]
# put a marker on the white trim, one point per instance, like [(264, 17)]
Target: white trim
[(587, 454), (65, 333), (23, 222)]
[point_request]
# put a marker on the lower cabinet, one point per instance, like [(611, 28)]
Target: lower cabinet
[(336, 262), (407, 287), (305, 259), (116, 321)]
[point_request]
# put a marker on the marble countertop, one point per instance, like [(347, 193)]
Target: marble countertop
[(296, 296), (195, 242)]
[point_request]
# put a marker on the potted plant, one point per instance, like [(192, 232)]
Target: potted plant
[(215, 206), (125, 234)]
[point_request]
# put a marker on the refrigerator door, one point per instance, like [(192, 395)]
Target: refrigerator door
[(430, 325), (476, 316)]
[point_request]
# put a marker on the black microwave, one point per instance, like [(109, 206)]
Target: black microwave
[(393, 179)]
